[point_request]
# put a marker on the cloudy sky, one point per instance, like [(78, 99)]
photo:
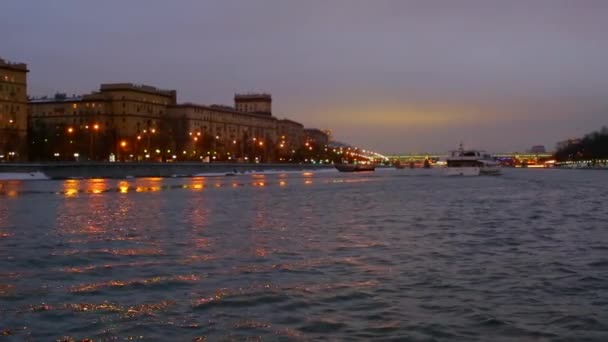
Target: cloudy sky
[(393, 75)]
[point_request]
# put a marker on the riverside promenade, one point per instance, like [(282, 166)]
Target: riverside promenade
[(126, 170)]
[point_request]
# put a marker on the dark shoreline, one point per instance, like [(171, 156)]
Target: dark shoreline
[(127, 170)]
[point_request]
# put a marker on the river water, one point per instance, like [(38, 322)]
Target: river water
[(307, 256)]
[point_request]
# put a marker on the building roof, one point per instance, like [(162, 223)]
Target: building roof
[(224, 109), (291, 122), (13, 66), (252, 97), (62, 98), (54, 99), (142, 88)]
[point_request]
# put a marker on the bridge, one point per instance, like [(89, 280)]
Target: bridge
[(435, 155), (516, 157)]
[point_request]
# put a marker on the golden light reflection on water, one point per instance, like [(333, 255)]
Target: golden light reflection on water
[(261, 252), (96, 185), (149, 184), (197, 183), (132, 282), (93, 229), (123, 187), (95, 268), (201, 242), (6, 289), (117, 252), (71, 187), (260, 289), (107, 307), (10, 188), (198, 258)]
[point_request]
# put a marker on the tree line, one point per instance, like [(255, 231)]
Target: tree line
[(592, 146)]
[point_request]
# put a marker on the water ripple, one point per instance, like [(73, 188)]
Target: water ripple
[(307, 257)]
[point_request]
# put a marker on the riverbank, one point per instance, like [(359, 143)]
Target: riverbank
[(126, 170)]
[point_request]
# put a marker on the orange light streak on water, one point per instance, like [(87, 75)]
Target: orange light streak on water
[(71, 187), (123, 187)]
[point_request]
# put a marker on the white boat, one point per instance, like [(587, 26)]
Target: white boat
[(463, 162), (22, 176)]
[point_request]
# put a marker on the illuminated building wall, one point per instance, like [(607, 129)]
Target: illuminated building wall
[(223, 132), (107, 119), (136, 122), (291, 133), (13, 111), (316, 136)]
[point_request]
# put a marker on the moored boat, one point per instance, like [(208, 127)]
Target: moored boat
[(399, 166), (355, 167)]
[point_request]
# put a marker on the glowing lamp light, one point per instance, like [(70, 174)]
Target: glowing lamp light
[(123, 143)]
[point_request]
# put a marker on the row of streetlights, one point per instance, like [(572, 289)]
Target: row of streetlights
[(196, 136)]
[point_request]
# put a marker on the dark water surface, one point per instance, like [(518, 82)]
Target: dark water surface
[(323, 256)]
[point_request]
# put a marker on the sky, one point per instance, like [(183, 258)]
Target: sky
[(395, 76)]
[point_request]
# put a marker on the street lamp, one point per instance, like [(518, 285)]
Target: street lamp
[(92, 139), (123, 145), (68, 141)]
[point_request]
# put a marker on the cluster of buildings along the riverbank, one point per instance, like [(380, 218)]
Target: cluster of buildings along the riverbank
[(125, 121)]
